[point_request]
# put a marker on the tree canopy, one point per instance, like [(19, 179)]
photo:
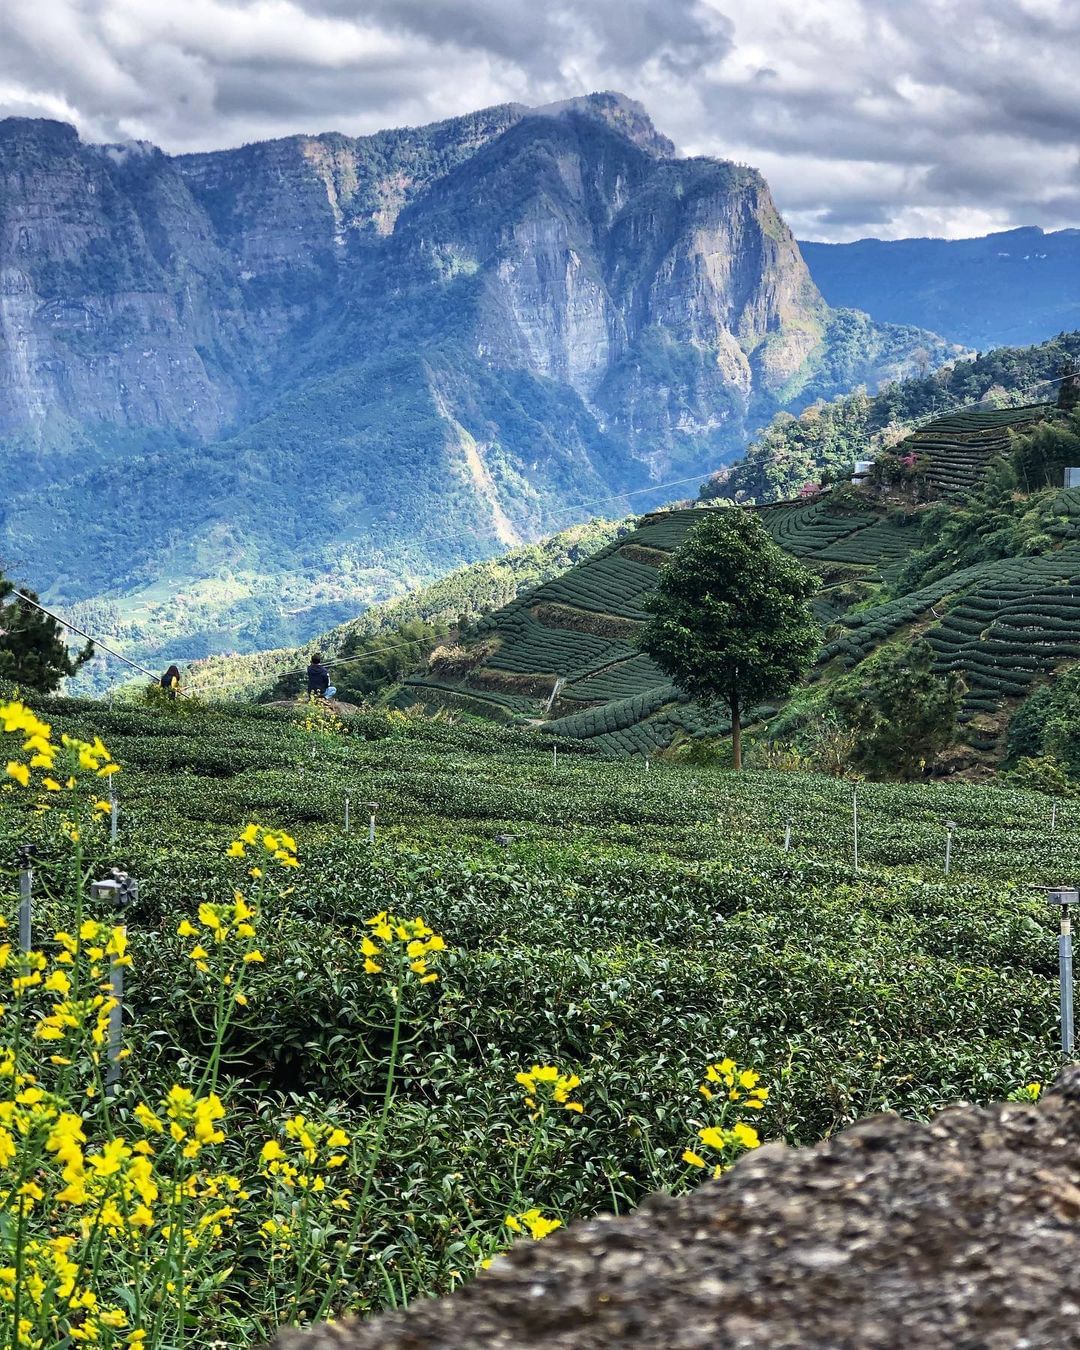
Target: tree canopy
[(901, 712), (731, 619), (33, 653)]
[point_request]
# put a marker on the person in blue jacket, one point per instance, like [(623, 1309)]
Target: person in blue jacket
[(318, 677)]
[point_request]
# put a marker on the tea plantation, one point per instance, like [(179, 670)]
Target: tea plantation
[(958, 447), (577, 631), (629, 925), (564, 655)]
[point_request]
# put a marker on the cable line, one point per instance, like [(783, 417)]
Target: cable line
[(89, 637)]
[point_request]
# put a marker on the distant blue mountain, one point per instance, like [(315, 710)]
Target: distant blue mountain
[(1008, 289)]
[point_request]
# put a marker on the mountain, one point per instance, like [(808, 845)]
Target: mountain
[(1006, 289), (244, 393)]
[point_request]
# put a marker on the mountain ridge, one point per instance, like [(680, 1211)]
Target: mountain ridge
[(246, 392), (1006, 288)]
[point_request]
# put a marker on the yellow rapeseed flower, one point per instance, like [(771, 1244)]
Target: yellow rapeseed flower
[(533, 1221)]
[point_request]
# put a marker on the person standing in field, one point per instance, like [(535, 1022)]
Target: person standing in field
[(318, 677), (170, 681)]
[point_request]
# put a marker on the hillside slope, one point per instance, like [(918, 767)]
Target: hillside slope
[(565, 652), (402, 630), (244, 393), (827, 438)]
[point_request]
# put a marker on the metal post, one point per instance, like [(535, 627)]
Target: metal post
[(346, 815), (950, 825), (109, 891), (116, 1029), (24, 860), (1053, 817), (787, 836), (1063, 896), (855, 823), (648, 766), (372, 808), (114, 820), (1065, 973), (554, 756)]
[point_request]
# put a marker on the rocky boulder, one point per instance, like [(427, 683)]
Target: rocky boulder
[(961, 1232)]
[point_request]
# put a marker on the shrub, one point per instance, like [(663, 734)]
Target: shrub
[(1041, 773), (899, 712)]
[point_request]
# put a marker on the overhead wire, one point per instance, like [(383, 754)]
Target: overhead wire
[(89, 636)]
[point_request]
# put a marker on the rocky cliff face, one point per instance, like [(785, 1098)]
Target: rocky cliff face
[(479, 324), (963, 1232)]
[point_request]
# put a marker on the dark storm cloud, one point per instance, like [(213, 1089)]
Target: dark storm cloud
[(867, 116)]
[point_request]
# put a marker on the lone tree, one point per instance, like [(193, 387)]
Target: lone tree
[(731, 619), (33, 652)]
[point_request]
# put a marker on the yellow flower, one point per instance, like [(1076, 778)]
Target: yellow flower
[(249, 957), (19, 772), (209, 917), (186, 929), (538, 1227), (235, 850), (746, 1135), (147, 1119), (693, 1159), (58, 983)]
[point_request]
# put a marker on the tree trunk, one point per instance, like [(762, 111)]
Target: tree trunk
[(736, 731)]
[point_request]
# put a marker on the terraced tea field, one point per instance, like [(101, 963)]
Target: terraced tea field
[(564, 654), (958, 447), (1004, 625), (566, 651)]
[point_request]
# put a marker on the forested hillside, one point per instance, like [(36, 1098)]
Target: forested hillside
[(828, 437)]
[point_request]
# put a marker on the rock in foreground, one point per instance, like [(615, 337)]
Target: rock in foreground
[(964, 1232)]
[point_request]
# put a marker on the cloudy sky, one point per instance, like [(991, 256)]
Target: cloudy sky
[(869, 117)]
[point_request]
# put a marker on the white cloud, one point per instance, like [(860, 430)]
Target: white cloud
[(881, 117)]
